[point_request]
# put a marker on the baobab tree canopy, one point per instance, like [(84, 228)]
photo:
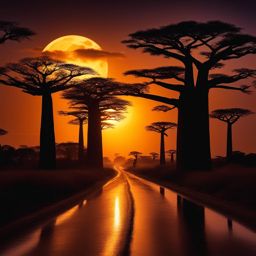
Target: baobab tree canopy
[(41, 75), (12, 31), (215, 42), (80, 116), (135, 154), (230, 115), (161, 126), (200, 47), (162, 108)]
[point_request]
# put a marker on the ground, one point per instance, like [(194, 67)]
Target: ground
[(23, 192)]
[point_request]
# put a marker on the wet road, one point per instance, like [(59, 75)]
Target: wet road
[(131, 217)]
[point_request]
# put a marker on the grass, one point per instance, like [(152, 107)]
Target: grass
[(233, 183), (24, 192)]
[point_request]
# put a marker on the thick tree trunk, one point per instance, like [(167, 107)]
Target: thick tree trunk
[(184, 158), (81, 142), (229, 141), (193, 137), (202, 147), (201, 131), (162, 150), (134, 162), (47, 136), (94, 137)]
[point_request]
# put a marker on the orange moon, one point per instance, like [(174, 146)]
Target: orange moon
[(70, 43)]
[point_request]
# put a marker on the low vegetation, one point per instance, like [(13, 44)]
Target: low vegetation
[(23, 192)]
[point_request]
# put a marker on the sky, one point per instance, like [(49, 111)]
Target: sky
[(108, 23)]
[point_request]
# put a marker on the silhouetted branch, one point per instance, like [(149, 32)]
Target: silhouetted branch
[(230, 115), (41, 75), (163, 108), (161, 127), (12, 31)]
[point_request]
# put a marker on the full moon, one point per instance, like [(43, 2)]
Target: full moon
[(69, 44)]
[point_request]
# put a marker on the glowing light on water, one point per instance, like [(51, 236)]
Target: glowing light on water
[(117, 213), (66, 215)]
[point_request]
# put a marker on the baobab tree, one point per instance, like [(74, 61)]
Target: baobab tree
[(43, 76), (230, 116), (200, 48), (154, 155), (171, 152), (136, 155), (161, 127), (11, 31), (80, 119), (162, 108), (97, 95)]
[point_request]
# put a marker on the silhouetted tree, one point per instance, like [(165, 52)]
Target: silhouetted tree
[(42, 76), (67, 150), (230, 116), (154, 155), (81, 117), (136, 155), (7, 155), (25, 154), (161, 127), (12, 31), (162, 108), (200, 48), (171, 152), (96, 95)]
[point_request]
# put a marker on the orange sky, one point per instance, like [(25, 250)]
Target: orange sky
[(20, 113)]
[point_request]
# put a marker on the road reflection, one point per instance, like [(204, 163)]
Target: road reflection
[(191, 219), (117, 214), (164, 223)]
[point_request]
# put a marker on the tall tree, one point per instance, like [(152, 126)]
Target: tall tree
[(200, 48), (230, 116), (171, 153), (80, 119), (136, 155), (43, 76), (97, 96), (13, 32), (161, 127)]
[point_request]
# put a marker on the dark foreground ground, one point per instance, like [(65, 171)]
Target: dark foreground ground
[(230, 188), (25, 192)]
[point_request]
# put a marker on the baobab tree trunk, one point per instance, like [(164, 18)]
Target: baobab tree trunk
[(229, 141), (81, 142), (47, 136), (184, 158), (162, 150), (193, 137), (201, 131), (94, 139), (134, 162)]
